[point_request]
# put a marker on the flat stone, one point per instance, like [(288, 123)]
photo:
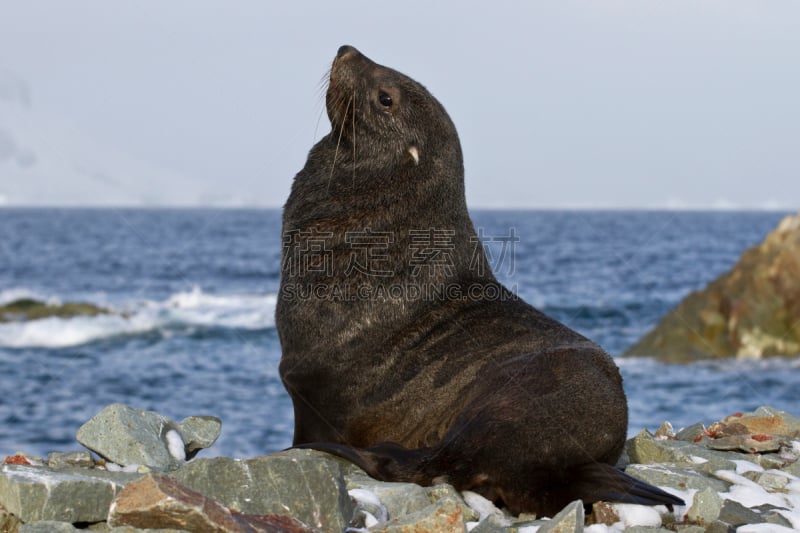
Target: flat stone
[(736, 514), (82, 459), (772, 480), (568, 520), (692, 432), (199, 433), (442, 517), (103, 527), (681, 478), (443, 491), (774, 517), (128, 436), (690, 528), (706, 506), (37, 493), (645, 449), (718, 526), (306, 484), (398, 499), (157, 501), (747, 443), (48, 526)]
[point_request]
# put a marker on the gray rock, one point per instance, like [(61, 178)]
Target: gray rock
[(38, 493), (645, 449), (493, 524), (793, 468), (199, 433), (398, 498), (48, 526), (128, 436), (646, 529), (680, 478), (736, 514), (772, 480), (442, 517), (305, 484), (774, 517), (82, 459), (692, 432), (791, 422), (689, 528), (569, 520), (718, 526), (706, 506)]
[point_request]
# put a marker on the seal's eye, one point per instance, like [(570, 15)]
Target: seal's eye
[(385, 99)]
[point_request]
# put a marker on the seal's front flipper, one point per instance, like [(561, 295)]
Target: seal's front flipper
[(603, 482), (387, 461)]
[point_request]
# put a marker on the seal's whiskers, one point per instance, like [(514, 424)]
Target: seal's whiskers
[(338, 142)]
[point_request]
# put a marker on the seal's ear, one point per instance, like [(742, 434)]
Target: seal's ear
[(413, 151)]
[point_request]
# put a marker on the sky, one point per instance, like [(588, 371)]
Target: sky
[(558, 104)]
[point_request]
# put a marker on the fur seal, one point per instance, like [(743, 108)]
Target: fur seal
[(401, 351)]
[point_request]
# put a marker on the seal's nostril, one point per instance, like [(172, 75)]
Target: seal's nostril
[(344, 50)]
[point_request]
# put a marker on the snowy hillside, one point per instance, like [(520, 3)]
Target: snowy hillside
[(45, 161)]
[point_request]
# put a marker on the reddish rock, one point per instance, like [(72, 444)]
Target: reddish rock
[(159, 502)]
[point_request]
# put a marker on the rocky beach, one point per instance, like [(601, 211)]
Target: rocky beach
[(140, 472)]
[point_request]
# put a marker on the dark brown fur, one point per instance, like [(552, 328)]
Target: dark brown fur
[(484, 391)]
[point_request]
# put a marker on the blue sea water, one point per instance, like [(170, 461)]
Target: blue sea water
[(196, 289)]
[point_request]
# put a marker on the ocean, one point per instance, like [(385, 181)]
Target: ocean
[(194, 333)]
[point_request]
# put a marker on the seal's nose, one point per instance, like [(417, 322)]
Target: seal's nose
[(345, 50)]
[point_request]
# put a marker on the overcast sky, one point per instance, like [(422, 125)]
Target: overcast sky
[(601, 103)]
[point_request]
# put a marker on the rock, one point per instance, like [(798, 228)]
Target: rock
[(691, 433), (305, 484), (746, 443), (749, 311), (492, 524), (29, 309), (398, 499), (8, 522), (37, 493), (681, 478), (442, 517), (604, 513), (706, 506), (157, 501), (48, 526), (690, 528), (665, 431), (437, 493), (199, 433), (569, 520), (736, 514), (644, 449), (773, 481), (128, 436), (718, 526), (70, 459)]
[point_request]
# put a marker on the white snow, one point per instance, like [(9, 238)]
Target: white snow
[(764, 528), (746, 466), (175, 445), (747, 492), (637, 515), (483, 506)]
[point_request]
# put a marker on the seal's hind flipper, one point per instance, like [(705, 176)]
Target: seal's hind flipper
[(603, 482), (387, 461)]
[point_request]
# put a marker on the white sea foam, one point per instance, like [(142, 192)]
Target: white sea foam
[(192, 308)]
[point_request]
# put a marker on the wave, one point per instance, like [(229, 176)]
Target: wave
[(193, 308)]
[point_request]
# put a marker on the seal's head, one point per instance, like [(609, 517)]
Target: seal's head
[(384, 116)]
